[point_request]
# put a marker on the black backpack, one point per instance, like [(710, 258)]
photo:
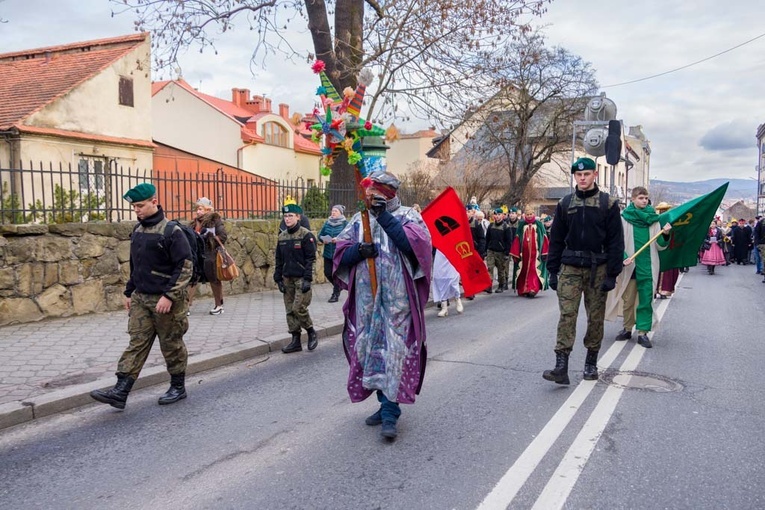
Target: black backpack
[(197, 245)]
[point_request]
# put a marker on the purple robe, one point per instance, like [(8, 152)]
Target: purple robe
[(384, 335)]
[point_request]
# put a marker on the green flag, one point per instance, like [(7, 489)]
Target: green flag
[(690, 224)]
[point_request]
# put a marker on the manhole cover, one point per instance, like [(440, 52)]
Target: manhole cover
[(641, 381)]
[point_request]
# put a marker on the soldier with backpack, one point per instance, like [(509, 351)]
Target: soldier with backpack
[(161, 269), (207, 226), (585, 256)]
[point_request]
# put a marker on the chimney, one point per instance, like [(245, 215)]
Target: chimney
[(284, 111), (254, 104), (239, 96), (267, 107)]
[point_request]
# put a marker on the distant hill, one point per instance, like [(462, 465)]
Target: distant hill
[(678, 192)]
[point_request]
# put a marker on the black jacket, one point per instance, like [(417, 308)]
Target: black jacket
[(589, 232), (759, 232), (499, 238), (479, 237), (159, 265), (295, 254)]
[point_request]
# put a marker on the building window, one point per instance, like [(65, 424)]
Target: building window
[(275, 134), (126, 91), (91, 176)]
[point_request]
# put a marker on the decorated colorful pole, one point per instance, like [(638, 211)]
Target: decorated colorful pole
[(373, 160)]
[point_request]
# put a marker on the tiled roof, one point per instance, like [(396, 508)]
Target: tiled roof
[(238, 113), (32, 79), (423, 133)]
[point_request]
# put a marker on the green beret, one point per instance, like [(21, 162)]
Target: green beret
[(498, 210), (582, 164), (143, 191), (292, 208), (514, 209), (546, 219)]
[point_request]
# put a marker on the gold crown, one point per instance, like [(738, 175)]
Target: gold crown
[(463, 248), (288, 200)]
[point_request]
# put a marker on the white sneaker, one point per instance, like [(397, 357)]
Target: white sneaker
[(188, 313), (217, 310), (460, 308), (444, 309)]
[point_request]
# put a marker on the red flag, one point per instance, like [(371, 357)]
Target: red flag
[(450, 232)]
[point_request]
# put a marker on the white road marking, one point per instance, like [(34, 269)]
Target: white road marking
[(512, 481), (561, 483)]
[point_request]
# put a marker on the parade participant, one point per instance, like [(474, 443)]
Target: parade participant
[(498, 241), (547, 222), (513, 222), (328, 236), (585, 257), (209, 224), (667, 279), (445, 284), (293, 274), (477, 229), (636, 283), (529, 251), (758, 238), (155, 297), (740, 239), (384, 332), (711, 252)]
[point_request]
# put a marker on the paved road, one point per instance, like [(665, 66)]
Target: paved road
[(277, 431)]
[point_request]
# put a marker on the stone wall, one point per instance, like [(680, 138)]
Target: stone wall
[(79, 268)]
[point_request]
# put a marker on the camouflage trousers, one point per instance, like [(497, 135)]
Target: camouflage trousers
[(296, 305), (145, 324), (500, 261), (572, 283)]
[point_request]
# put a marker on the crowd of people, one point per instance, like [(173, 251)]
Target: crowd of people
[(383, 257)]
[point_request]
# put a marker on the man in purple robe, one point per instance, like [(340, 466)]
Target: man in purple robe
[(384, 333)]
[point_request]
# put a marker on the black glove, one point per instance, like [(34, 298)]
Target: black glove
[(305, 286), (368, 250), (281, 287), (377, 204), (552, 281), (608, 284)]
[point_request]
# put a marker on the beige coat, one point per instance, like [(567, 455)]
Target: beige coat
[(614, 299)]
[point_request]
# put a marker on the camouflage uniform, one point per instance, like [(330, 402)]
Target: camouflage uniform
[(158, 267), (295, 257), (586, 247), (498, 242), (144, 324)]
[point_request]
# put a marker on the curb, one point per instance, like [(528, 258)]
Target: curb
[(16, 413)]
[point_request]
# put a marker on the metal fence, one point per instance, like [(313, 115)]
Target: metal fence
[(63, 194)]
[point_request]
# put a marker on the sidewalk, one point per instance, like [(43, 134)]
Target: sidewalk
[(51, 366)]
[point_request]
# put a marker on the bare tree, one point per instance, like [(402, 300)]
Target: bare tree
[(424, 52), (418, 185), (471, 176), (541, 91)]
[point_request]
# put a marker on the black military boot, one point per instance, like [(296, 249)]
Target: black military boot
[(313, 340), (559, 374), (294, 345), (591, 366), (177, 390), (117, 396), (334, 297), (624, 335)]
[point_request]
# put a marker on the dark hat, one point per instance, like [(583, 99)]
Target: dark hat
[(582, 164), (141, 192), (546, 219), (292, 208), (499, 210), (514, 209)]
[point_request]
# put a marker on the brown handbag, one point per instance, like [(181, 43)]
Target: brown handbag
[(225, 265)]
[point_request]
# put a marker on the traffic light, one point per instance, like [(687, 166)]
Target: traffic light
[(613, 147)]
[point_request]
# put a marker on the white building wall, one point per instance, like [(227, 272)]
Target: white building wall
[(93, 106), (184, 121)]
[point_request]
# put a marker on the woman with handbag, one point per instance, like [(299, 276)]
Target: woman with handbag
[(210, 226)]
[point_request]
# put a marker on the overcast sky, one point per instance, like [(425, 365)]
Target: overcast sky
[(701, 121)]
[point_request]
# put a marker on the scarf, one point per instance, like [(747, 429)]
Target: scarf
[(336, 221), (640, 217)]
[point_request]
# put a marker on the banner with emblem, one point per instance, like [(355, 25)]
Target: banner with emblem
[(450, 232), (690, 223)]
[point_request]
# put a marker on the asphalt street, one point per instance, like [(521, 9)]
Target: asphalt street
[(278, 431)]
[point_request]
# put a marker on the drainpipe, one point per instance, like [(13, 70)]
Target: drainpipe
[(11, 136)]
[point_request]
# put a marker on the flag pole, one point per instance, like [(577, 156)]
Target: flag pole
[(646, 245)]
